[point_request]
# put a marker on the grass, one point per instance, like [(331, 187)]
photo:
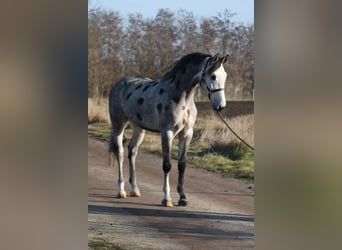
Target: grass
[(97, 112), (213, 147), (101, 244)]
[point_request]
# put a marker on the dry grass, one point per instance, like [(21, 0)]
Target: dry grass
[(213, 132), (98, 112)]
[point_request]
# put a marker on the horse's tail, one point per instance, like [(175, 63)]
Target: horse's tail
[(111, 148), (111, 158)]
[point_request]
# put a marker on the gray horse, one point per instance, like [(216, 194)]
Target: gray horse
[(165, 106)]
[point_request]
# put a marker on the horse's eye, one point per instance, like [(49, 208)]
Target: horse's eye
[(213, 77)]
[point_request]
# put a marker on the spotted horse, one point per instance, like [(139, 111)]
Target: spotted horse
[(165, 106)]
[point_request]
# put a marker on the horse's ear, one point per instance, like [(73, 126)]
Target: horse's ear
[(225, 58), (215, 58)]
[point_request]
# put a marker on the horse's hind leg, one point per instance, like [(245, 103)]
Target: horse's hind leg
[(115, 147), (184, 141), (137, 138)]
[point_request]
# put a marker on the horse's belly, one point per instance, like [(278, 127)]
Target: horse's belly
[(146, 121)]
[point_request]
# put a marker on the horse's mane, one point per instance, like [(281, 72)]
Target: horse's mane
[(180, 65)]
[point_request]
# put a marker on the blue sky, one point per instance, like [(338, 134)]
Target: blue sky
[(244, 9)]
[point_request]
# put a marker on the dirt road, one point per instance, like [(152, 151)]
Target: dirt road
[(220, 213)]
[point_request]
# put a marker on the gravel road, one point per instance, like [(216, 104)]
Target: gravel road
[(220, 213)]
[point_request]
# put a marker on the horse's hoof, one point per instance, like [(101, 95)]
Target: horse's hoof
[(167, 203), (135, 194), (182, 202), (122, 194)]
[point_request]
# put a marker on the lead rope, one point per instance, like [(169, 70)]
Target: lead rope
[(219, 114)]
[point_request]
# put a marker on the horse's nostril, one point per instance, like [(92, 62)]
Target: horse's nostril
[(218, 108)]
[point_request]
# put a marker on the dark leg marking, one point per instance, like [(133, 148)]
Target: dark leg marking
[(181, 169), (166, 166), (128, 96), (161, 91), (159, 107), (139, 117), (140, 101)]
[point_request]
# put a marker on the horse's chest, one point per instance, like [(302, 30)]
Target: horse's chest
[(185, 118)]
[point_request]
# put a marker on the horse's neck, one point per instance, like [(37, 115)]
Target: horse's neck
[(185, 82), (182, 88)]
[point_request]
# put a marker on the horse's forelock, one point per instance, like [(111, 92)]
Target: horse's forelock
[(215, 65)]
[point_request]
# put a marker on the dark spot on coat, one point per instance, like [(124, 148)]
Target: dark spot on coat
[(128, 96), (184, 121), (188, 111), (176, 127), (140, 101), (176, 99), (167, 107), (183, 107), (159, 107), (146, 87), (139, 117), (155, 83), (138, 87), (161, 91)]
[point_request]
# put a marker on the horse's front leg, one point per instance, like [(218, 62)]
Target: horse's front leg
[(184, 141), (166, 138)]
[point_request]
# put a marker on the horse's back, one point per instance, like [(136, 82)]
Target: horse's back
[(118, 94)]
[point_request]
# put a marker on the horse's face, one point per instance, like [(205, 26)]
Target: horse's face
[(213, 82)]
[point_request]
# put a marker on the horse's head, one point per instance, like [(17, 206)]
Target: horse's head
[(212, 80)]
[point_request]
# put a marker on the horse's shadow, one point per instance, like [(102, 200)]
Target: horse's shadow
[(166, 213), (189, 224)]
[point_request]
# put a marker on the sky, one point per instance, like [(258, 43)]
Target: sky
[(244, 9)]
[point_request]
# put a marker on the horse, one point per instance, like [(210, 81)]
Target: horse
[(165, 106)]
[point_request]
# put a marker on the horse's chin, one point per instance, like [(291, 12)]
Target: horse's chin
[(219, 106)]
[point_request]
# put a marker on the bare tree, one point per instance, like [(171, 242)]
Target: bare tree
[(149, 46)]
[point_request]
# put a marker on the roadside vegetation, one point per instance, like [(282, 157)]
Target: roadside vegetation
[(102, 244), (213, 147)]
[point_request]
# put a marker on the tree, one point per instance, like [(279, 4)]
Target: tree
[(150, 46)]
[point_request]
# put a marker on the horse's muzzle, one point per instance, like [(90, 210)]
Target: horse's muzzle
[(219, 107)]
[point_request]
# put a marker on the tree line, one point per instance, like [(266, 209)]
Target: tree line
[(135, 45)]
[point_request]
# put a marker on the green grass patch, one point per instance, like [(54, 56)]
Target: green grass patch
[(99, 130), (242, 169), (102, 244)]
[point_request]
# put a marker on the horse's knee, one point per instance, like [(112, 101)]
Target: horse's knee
[(166, 166)]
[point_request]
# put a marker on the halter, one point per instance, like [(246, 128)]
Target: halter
[(210, 91)]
